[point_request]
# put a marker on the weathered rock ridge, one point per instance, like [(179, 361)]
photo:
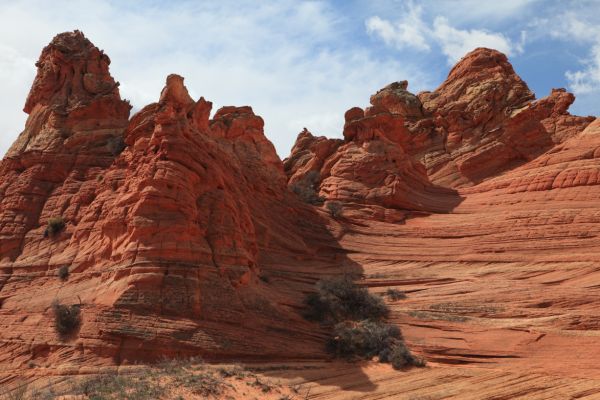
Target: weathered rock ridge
[(171, 220), (182, 236), (403, 149)]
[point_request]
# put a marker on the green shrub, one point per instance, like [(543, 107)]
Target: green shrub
[(395, 294), (63, 273), (67, 319), (340, 299), (55, 225)]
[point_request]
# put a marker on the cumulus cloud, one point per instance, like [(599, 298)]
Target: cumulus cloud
[(293, 62), (411, 31), (575, 28), (586, 80), (455, 43)]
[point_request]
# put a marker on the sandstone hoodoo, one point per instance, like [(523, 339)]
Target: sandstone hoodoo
[(469, 213), (167, 222)]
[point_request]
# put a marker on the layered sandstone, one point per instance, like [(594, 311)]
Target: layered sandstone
[(182, 237), (402, 149), (174, 223)]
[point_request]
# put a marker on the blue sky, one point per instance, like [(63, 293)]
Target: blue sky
[(302, 63)]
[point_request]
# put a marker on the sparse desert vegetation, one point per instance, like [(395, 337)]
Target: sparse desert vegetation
[(67, 319), (395, 294), (63, 273), (357, 317), (340, 299), (170, 379), (55, 226), (307, 187)]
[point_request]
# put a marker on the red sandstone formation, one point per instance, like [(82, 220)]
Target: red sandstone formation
[(480, 122), (182, 237), (168, 241)]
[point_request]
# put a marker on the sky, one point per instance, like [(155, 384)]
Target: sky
[(302, 63)]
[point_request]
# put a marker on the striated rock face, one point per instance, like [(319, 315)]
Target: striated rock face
[(481, 121), (485, 120), (172, 222), (182, 237), (373, 165), (74, 129)]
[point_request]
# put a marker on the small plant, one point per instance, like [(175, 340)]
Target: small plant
[(55, 225), (364, 339), (335, 208), (306, 188), (264, 387), (358, 319), (63, 273), (67, 319), (340, 299), (113, 386), (17, 394), (395, 294), (204, 383), (400, 357), (367, 339)]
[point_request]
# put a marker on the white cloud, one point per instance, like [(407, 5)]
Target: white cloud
[(290, 61), (411, 31), (586, 80), (575, 27), (455, 43)]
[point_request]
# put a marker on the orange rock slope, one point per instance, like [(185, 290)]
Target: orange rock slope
[(183, 237)]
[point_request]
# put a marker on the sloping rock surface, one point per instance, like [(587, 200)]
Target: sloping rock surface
[(182, 236)]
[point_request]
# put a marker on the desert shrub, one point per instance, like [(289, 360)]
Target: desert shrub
[(63, 273), (399, 356), (367, 339), (113, 386), (204, 383), (55, 225), (306, 188), (340, 299), (335, 208), (19, 393), (359, 329), (364, 339), (395, 294), (66, 318)]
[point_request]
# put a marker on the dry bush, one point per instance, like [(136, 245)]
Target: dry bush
[(340, 299), (63, 273), (55, 225), (67, 319)]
